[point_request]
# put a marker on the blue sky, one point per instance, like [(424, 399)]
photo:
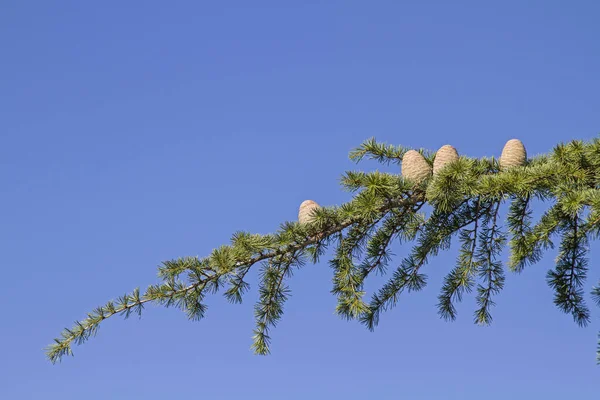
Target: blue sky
[(137, 132)]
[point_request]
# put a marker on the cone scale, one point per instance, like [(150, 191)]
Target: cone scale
[(415, 167), (305, 213), (513, 154), (445, 155)]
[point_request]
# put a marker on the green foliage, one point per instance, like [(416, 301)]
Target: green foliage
[(491, 242), (462, 201)]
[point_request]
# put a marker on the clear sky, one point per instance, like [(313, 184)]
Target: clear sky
[(133, 132)]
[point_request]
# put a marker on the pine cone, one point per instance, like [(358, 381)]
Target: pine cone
[(305, 213), (415, 167), (444, 156), (513, 154)]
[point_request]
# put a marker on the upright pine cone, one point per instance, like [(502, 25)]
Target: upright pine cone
[(415, 167), (513, 154), (305, 213), (444, 156)]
